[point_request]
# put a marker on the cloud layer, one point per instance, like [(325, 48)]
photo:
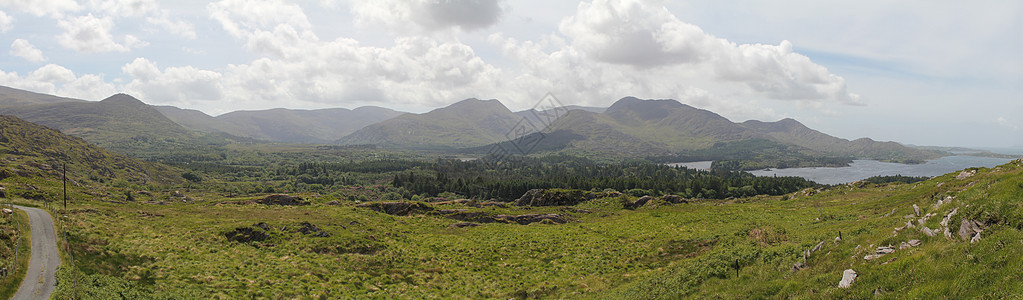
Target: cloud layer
[(225, 55)]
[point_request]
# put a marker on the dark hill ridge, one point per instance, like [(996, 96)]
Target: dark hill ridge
[(109, 123)]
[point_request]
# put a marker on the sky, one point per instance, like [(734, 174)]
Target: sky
[(937, 72)]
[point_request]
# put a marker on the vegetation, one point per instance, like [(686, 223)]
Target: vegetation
[(659, 250), (359, 221), (14, 239)]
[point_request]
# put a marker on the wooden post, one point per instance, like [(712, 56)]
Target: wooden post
[(840, 235)]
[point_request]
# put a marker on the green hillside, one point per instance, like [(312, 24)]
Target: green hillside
[(33, 151), (468, 123), (15, 97), (122, 124), (611, 245)]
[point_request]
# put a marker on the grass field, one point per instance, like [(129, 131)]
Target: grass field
[(738, 248)]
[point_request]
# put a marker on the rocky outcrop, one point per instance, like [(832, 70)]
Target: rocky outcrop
[(966, 174), (848, 276), (281, 199), (466, 216), (534, 218), (881, 251), (310, 229), (639, 202), (246, 235), (554, 197), (970, 230), (673, 199), (402, 208)]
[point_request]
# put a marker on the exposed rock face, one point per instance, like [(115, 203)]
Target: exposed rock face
[(881, 251), (639, 202), (534, 218), (246, 234), (848, 276), (554, 197), (944, 223), (673, 199), (467, 216), (281, 199), (916, 210), (914, 243), (397, 208), (308, 228), (970, 230), (966, 174)]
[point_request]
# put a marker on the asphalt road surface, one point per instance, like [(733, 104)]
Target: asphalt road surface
[(41, 277)]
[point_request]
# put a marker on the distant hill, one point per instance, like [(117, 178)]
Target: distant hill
[(31, 150), (671, 131), (15, 97), (110, 122), (468, 123), (114, 123), (298, 126), (122, 124)]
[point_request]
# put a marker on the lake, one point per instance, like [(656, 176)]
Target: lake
[(696, 165), (863, 169)]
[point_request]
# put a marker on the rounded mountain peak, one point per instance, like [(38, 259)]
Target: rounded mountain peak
[(645, 109), (122, 99)]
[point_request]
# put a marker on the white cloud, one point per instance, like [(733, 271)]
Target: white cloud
[(177, 27), (92, 34), (130, 8), (645, 36), (6, 22), (413, 16), (39, 8), (24, 49), (173, 85), (58, 80), (239, 17)]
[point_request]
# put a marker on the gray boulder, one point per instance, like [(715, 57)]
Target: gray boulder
[(848, 276)]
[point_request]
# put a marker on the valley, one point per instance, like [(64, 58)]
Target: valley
[(267, 205)]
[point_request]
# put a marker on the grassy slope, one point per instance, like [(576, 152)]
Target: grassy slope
[(10, 284), (665, 251)]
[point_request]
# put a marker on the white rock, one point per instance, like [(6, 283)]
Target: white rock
[(927, 231), (8, 211), (847, 278), (885, 250), (966, 174), (914, 243), (904, 245), (873, 256), (916, 210)]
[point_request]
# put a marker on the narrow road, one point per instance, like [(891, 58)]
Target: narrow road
[(41, 276)]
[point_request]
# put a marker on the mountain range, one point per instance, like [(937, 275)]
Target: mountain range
[(630, 128), (283, 125)]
